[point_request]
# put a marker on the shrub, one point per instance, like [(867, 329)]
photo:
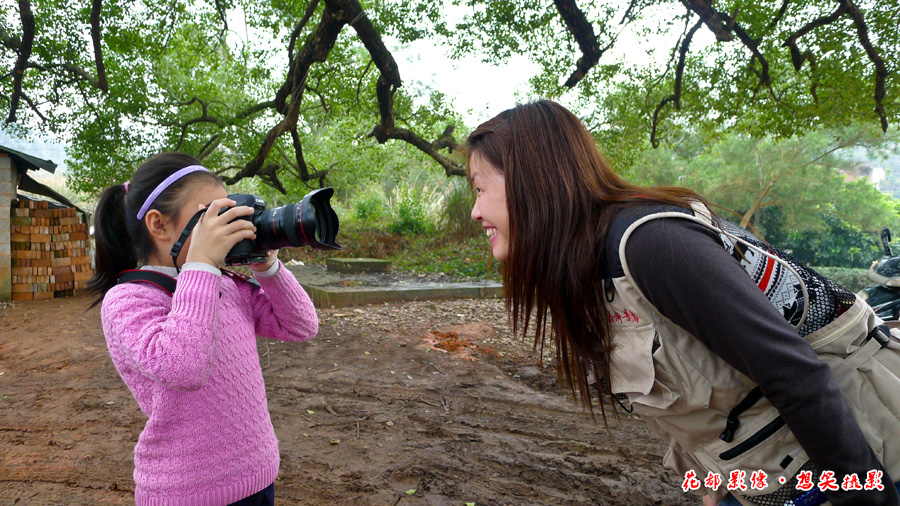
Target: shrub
[(409, 215), (369, 207), (457, 217), (850, 278), (415, 210)]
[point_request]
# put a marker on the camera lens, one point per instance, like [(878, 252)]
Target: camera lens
[(311, 222)]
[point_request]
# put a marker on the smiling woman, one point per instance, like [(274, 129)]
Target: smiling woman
[(702, 327), (490, 204)]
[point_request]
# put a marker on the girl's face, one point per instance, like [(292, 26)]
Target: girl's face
[(490, 204), (165, 230)]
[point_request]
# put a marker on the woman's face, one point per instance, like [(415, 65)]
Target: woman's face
[(490, 204)]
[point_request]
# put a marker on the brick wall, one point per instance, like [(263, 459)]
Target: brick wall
[(51, 254), (8, 185)]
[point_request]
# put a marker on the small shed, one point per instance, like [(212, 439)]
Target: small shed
[(44, 245)]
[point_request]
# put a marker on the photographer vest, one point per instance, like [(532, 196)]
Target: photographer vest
[(713, 417)]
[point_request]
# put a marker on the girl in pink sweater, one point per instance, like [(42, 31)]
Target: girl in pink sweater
[(189, 358)]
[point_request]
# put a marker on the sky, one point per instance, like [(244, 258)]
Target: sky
[(479, 90)]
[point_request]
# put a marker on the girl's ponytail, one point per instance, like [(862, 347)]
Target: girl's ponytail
[(114, 248)]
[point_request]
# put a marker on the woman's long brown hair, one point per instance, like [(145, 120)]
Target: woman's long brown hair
[(561, 198)]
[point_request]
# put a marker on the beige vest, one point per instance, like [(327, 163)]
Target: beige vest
[(685, 392)]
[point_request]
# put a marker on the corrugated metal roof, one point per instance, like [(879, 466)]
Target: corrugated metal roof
[(28, 161)]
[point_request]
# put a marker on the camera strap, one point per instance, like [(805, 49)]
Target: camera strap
[(157, 279), (176, 248), (167, 283)]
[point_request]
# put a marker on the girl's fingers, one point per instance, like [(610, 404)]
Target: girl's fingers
[(236, 212), (216, 205), (231, 239), (232, 216), (236, 226)]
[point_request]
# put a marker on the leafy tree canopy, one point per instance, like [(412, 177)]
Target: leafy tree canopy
[(311, 87), (808, 181)]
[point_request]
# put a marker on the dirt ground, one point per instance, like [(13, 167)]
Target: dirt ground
[(419, 403)]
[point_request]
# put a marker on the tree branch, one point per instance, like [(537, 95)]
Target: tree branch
[(268, 104), (321, 97), (209, 147), (862, 31), (387, 84), (221, 10), (361, 77), (797, 58), (679, 77), (310, 10), (305, 174), (653, 140), (446, 140), (753, 45), (682, 58), (24, 53), (98, 50), (778, 17), (451, 168), (711, 18), (33, 107), (316, 48), (578, 25), (627, 15), (17, 46), (722, 25)]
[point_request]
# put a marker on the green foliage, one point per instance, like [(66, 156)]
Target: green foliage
[(801, 176), (723, 87), (839, 244), (369, 207), (409, 214), (179, 80), (849, 278), (458, 203), (465, 258)]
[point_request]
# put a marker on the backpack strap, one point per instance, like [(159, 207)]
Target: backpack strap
[(157, 279), (703, 217)]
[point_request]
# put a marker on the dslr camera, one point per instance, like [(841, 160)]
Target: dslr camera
[(311, 222)]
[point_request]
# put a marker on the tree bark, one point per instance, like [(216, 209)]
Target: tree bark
[(22, 61), (578, 25), (96, 37)]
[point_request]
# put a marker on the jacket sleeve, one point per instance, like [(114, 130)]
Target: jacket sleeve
[(282, 309), (172, 344), (683, 270)]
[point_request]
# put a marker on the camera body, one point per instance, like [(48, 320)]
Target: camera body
[(310, 222)]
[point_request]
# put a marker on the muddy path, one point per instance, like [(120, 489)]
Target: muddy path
[(422, 403)]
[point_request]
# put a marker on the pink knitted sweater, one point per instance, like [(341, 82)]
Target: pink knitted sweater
[(191, 362)]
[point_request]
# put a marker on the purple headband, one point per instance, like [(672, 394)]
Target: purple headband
[(161, 187)]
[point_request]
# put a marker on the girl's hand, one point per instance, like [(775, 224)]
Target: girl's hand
[(215, 234), (708, 501), (271, 258)]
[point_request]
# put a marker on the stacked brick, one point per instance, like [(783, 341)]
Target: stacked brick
[(51, 254)]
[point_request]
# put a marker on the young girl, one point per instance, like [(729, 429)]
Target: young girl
[(707, 331), (190, 358)]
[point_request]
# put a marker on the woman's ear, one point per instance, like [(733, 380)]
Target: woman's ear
[(158, 225)]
